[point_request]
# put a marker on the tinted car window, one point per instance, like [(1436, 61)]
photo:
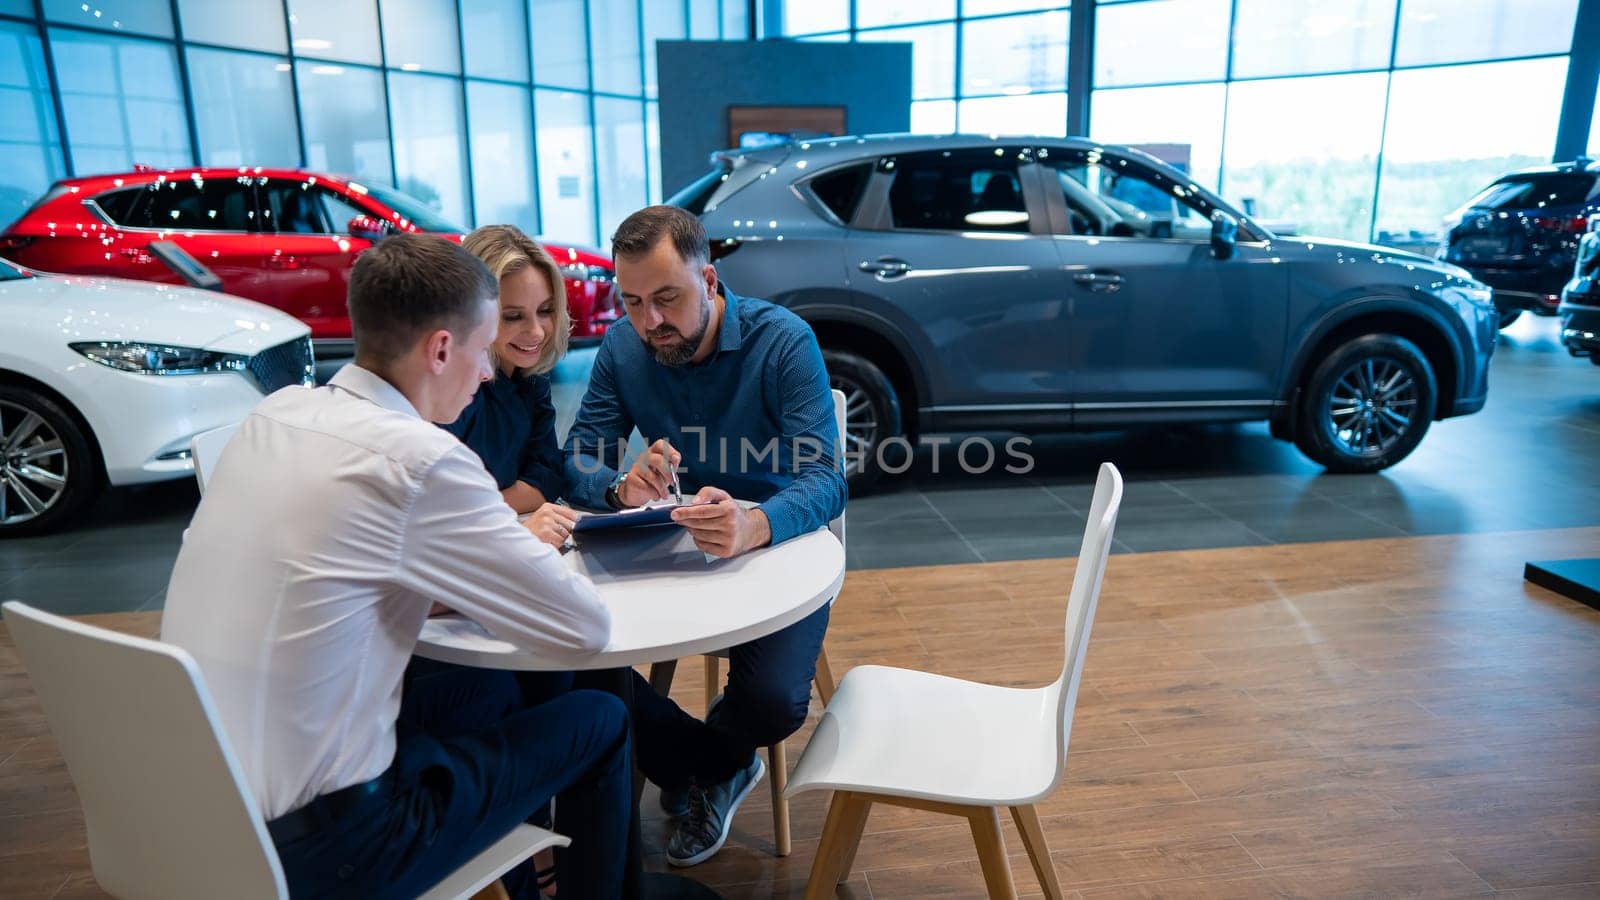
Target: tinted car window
[(339, 211), (1111, 196), (957, 192), (291, 207), (840, 191), (1533, 190), (210, 205), (118, 205)]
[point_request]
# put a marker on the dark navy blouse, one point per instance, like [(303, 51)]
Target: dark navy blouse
[(511, 425)]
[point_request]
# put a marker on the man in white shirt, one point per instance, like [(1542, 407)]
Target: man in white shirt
[(335, 517)]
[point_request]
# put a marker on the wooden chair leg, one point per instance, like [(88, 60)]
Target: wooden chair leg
[(493, 891), (825, 682), (1027, 818), (841, 834), (661, 676), (713, 680), (778, 759), (992, 853)]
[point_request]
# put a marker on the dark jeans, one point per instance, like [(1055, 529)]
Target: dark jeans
[(473, 760), (765, 701)]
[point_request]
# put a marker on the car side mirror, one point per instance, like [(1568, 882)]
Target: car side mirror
[(367, 227), (1224, 234)]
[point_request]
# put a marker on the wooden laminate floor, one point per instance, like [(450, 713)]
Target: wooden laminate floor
[(1382, 718)]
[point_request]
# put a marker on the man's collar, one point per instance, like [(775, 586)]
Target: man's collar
[(370, 386), (731, 333)]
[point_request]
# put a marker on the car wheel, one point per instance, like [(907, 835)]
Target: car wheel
[(1507, 316), (871, 414), (1367, 405), (47, 469)]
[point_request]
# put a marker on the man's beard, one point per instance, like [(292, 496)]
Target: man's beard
[(680, 353)]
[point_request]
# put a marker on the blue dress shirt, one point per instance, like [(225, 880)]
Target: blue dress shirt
[(511, 425), (755, 418)]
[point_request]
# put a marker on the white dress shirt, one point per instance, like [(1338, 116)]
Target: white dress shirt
[(334, 518)]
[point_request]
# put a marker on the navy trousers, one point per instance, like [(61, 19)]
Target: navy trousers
[(473, 760), (766, 700)]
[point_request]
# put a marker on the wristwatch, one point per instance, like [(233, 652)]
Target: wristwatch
[(614, 492)]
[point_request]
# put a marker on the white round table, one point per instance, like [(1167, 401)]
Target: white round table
[(667, 599)]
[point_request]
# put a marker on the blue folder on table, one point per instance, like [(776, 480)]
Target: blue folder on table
[(638, 517)]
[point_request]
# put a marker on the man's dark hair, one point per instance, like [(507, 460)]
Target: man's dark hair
[(639, 233), (410, 284)]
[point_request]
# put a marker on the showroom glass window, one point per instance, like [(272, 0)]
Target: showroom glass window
[(618, 137), (933, 56), (147, 17), (957, 191), (614, 46), (429, 159), (1303, 152), (243, 108), (421, 36), (246, 24), (345, 30), (494, 36), (558, 30), (502, 155), (1160, 42), (122, 101), (343, 113), (566, 164), (1180, 124), (662, 22), (30, 146), (1436, 152), (1111, 196)]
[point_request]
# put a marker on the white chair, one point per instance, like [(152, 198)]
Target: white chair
[(930, 742), (167, 811), (777, 757), (205, 449)]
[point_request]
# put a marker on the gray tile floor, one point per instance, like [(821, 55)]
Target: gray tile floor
[(1530, 460)]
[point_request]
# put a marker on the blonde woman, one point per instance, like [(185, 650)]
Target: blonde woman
[(511, 422)]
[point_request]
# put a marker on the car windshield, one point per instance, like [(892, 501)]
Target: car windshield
[(421, 215), (1535, 190)]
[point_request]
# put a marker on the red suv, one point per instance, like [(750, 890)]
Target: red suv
[(283, 237)]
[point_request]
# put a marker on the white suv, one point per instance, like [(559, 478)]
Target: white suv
[(104, 381)]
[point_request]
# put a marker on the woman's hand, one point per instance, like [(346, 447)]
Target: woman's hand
[(552, 523)]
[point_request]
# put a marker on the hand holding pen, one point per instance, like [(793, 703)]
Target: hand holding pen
[(654, 476)]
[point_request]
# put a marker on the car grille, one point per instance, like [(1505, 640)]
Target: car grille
[(283, 365)]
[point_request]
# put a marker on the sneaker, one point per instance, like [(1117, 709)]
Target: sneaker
[(675, 801), (704, 827)]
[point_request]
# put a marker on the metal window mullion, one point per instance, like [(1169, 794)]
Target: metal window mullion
[(182, 53), (294, 86), (54, 84), (1080, 66), (388, 105), (1227, 95), (960, 67), (466, 119), (1383, 131), (644, 97), (594, 127)]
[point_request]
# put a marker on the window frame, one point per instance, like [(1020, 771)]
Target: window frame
[(1249, 231), (805, 190)]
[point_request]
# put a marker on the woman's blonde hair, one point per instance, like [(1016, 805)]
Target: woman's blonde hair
[(506, 251)]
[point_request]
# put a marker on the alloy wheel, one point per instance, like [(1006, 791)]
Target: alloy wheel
[(860, 438), (1372, 405), (33, 465)]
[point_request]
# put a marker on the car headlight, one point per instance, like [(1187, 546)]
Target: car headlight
[(159, 359)]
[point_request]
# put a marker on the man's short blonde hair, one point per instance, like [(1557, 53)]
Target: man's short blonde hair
[(506, 251)]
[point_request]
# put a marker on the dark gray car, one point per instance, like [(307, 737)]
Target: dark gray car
[(964, 284)]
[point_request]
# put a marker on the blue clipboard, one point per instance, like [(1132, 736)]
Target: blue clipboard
[(629, 518)]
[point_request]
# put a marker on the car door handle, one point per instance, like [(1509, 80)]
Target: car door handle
[(282, 262), (885, 267), (1107, 282), (137, 254)]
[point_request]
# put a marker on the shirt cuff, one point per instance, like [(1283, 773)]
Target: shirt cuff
[(781, 520), (588, 484)]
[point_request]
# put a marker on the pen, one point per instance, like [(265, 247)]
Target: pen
[(677, 490)]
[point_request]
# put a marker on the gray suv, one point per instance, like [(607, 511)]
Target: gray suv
[(971, 284)]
